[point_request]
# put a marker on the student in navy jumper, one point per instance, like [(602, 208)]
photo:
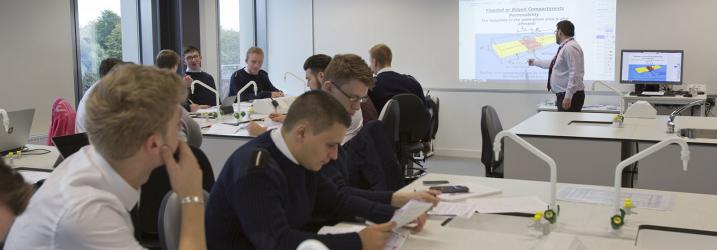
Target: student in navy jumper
[(253, 72), (201, 95), (270, 186), (388, 82)]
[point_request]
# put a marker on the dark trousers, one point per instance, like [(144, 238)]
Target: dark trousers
[(576, 104)]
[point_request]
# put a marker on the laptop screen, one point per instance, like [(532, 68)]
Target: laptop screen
[(15, 136)]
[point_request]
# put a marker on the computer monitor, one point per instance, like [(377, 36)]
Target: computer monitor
[(651, 66)]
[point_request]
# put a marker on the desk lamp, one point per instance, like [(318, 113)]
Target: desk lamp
[(216, 94)]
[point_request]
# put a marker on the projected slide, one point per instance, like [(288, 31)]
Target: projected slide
[(648, 73), (496, 38)]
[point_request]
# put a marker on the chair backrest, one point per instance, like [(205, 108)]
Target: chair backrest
[(156, 187), (413, 124), (433, 104), (390, 117), (191, 130), (63, 120), (490, 126), (170, 221)]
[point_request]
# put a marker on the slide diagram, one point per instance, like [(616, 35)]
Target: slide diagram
[(505, 56), (647, 72)]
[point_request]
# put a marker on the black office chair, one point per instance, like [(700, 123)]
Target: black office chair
[(413, 129), (433, 104), (145, 215), (490, 127), (390, 117)]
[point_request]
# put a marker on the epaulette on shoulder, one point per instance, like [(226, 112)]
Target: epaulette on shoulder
[(259, 158)]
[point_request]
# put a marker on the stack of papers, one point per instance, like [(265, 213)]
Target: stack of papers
[(458, 209), (474, 190), (607, 197), (523, 204), (410, 212)]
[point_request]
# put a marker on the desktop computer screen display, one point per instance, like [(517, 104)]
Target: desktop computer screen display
[(651, 66)]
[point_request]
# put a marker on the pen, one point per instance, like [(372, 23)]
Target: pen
[(446, 221)]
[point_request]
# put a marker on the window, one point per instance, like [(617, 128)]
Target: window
[(104, 29), (230, 53), (235, 33)]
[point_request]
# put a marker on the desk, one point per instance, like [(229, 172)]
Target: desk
[(670, 100), (588, 154), (41, 161), (600, 108), (587, 223)]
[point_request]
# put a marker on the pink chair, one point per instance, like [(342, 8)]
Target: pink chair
[(63, 120)]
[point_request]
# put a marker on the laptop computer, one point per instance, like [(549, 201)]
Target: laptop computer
[(15, 137), (69, 144)]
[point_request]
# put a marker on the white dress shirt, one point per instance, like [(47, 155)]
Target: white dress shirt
[(80, 116), (569, 69), (356, 125), (280, 143), (84, 204)]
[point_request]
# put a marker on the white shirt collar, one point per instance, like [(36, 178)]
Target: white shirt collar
[(190, 70), (116, 184), (280, 143), (384, 70), (354, 128)]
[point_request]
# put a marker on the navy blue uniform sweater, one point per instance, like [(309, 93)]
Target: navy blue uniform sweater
[(202, 95), (240, 78), (389, 84), (266, 207)]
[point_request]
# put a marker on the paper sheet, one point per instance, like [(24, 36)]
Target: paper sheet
[(606, 197), (474, 190), (523, 204), (33, 176), (398, 236), (410, 212), (224, 129), (459, 209)]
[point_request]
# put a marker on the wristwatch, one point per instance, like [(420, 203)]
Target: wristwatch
[(192, 199)]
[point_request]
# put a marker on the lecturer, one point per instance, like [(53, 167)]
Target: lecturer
[(565, 70)]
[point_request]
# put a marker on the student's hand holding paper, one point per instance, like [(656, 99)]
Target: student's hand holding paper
[(376, 236), (400, 199), (277, 117), (420, 222), (255, 129)]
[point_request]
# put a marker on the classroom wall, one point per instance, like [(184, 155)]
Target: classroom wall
[(411, 26), (37, 65)]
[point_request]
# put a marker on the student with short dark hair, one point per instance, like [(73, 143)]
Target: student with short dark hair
[(15, 193), (201, 95), (132, 124), (253, 72), (314, 67), (270, 187)]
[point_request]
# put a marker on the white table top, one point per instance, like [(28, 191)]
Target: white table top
[(37, 160), (658, 99), (599, 108), (557, 124), (588, 223)]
